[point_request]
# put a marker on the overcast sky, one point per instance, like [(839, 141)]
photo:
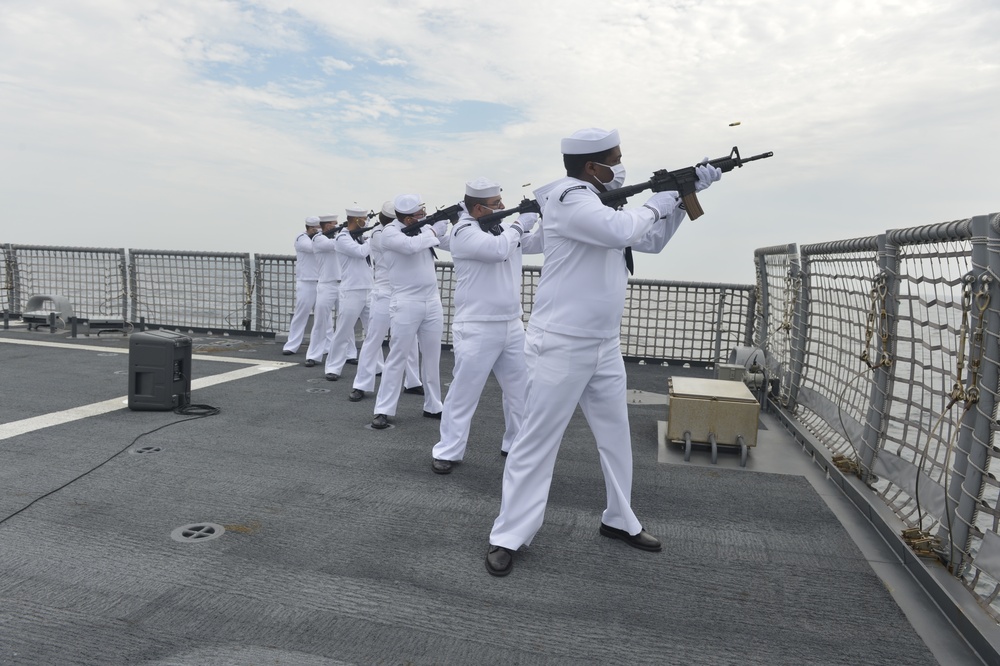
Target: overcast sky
[(219, 126)]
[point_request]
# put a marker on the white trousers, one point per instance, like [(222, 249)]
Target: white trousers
[(370, 359), (353, 307), (305, 300), (424, 321), (327, 296), (564, 371), (481, 347)]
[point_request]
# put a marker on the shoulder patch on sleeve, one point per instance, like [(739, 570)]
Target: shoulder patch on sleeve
[(575, 187)]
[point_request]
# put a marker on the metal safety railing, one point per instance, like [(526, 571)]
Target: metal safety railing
[(685, 322), (892, 364), (92, 279), (778, 281), (210, 290), (274, 280)]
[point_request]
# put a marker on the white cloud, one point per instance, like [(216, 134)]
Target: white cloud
[(334, 65), (180, 125)]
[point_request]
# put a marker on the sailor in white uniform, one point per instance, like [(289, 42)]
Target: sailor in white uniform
[(414, 307), (327, 291), (356, 282), (487, 332), (370, 358), (305, 286), (572, 344)]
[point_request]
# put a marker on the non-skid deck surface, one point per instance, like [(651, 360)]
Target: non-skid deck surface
[(341, 546)]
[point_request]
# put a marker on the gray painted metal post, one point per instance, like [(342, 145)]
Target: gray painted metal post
[(15, 281), (797, 341), (248, 286), (123, 275), (881, 389), (764, 304), (748, 323), (8, 268), (258, 296), (133, 281), (975, 435), (719, 311)]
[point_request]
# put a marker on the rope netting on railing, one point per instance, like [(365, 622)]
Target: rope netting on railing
[(529, 287), (274, 280), (779, 287), (446, 287), (686, 321), (979, 490), (93, 280), (920, 419), (191, 289), (663, 321), (897, 336), (233, 292), (832, 397)]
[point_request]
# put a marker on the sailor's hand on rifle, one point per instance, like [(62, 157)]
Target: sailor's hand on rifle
[(707, 174), (663, 203), (527, 220), (440, 228)]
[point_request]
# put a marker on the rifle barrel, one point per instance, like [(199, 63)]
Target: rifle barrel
[(758, 157), (497, 216), (526, 206)]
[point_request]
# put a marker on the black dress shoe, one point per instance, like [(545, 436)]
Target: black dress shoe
[(643, 540), (352, 361), (414, 390), (356, 395), (285, 352), (309, 363), (432, 415), (499, 560), (380, 422), (332, 376), (441, 466), (503, 453)]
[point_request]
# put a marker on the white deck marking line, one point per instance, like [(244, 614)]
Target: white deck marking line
[(198, 357), (24, 426)]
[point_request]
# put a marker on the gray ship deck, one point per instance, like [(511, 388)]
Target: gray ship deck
[(342, 547)]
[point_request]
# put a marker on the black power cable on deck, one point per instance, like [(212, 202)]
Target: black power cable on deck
[(194, 411)]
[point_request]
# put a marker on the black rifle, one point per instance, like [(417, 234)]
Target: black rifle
[(681, 181), (357, 233), (488, 222), (449, 213)]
